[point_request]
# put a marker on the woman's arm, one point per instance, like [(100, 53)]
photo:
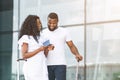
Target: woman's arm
[(26, 54)]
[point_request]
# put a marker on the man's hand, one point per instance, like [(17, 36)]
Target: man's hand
[(50, 47), (78, 57)]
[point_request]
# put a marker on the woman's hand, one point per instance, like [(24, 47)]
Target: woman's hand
[(42, 48)]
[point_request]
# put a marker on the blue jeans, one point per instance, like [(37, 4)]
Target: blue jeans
[(57, 72)]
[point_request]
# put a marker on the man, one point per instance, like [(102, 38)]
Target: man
[(56, 58)]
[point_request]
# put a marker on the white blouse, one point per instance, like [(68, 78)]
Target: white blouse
[(35, 67)]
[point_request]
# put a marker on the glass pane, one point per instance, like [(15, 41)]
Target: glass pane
[(5, 56), (103, 48), (6, 23), (16, 65), (70, 12), (103, 10)]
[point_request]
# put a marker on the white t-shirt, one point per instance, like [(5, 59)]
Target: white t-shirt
[(58, 38)]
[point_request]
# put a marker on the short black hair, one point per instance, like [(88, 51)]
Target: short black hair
[(53, 15)]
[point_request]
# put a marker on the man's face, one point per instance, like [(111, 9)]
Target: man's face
[(52, 24)]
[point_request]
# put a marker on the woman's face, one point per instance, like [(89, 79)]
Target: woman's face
[(39, 25)]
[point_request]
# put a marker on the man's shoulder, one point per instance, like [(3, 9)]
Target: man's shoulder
[(63, 29)]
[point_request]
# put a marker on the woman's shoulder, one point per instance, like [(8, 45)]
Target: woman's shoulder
[(24, 37)]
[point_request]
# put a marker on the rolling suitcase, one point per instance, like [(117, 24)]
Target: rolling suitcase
[(18, 67)]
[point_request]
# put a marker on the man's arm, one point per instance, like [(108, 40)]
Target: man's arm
[(74, 50)]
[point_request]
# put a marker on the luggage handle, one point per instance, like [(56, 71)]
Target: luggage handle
[(77, 66), (21, 59)]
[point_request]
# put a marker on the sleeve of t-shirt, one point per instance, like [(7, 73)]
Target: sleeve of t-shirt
[(23, 39), (68, 36)]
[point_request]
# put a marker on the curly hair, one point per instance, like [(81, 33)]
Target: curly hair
[(29, 27)]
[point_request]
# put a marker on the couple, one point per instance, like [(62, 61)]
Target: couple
[(43, 62)]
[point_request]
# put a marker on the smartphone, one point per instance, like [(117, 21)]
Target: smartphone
[(46, 43)]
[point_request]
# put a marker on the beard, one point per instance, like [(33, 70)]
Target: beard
[(52, 28)]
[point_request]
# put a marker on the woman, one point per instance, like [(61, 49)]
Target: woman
[(32, 49)]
